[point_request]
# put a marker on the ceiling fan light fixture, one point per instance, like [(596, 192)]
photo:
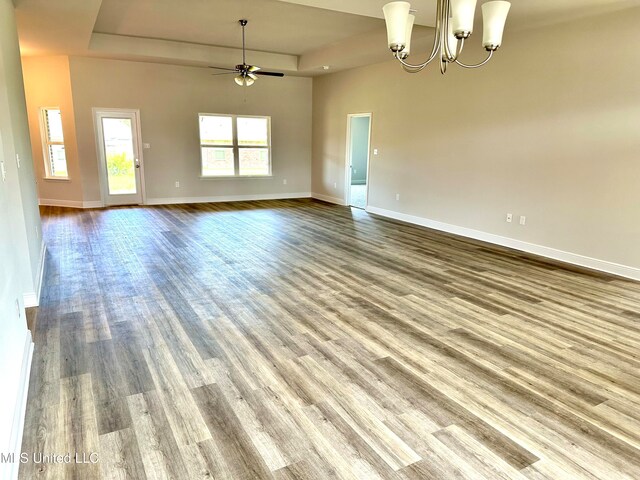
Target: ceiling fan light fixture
[(248, 81), (239, 79)]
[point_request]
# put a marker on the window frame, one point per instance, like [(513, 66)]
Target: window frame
[(47, 142), (236, 147)]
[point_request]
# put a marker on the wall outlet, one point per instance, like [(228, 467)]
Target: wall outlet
[(375, 151), (177, 184), (509, 217), (284, 181), (2, 169), (397, 196), (18, 160), (146, 146), (523, 220)]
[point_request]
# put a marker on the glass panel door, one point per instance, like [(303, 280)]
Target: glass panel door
[(120, 159)]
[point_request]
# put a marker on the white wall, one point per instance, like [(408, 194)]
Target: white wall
[(19, 243), (48, 84), (550, 129), (169, 98)]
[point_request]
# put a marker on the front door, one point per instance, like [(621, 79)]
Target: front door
[(118, 138)]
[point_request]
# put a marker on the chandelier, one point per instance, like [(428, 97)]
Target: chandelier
[(454, 25)]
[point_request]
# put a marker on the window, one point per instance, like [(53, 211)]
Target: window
[(232, 145), (55, 160)]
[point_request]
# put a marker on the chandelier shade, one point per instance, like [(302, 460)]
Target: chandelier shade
[(396, 16), (463, 13), (494, 15), (454, 25)]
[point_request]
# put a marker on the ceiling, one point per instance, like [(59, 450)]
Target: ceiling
[(295, 36)]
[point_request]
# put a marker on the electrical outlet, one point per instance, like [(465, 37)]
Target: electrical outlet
[(375, 151), (509, 217), (284, 181), (146, 146), (18, 160), (523, 220), (177, 184), (2, 169), (397, 196)]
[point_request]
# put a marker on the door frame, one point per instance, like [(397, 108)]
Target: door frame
[(347, 184), (104, 188)]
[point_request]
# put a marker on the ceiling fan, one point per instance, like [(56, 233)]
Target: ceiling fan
[(246, 75)]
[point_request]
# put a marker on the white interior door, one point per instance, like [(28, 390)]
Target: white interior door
[(119, 156)]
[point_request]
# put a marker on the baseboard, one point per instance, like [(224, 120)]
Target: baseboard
[(70, 203), (548, 252), (327, 198), (21, 407), (227, 198), (32, 299)]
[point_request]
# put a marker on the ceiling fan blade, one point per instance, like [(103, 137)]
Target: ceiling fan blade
[(251, 76), (220, 68), (223, 73), (253, 68), (270, 74)]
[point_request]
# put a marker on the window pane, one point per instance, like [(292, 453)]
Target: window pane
[(54, 125), (253, 131), (57, 161), (217, 161), (216, 130), (254, 161)]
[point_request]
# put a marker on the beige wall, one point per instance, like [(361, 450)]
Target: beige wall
[(19, 239), (48, 84), (550, 130), (169, 99)]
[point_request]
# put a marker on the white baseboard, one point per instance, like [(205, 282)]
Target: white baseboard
[(70, 203), (548, 252), (227, 198), (32, 299), (327, 198), (17, 427)]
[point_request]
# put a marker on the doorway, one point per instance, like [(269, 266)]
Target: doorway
[(119, 156), (358, 147)]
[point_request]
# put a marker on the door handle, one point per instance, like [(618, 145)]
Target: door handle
[(137, 163)]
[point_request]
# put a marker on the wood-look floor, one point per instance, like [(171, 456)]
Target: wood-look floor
[(296, 339)]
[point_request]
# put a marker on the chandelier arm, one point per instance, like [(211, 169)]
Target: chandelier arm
[(479, 64), (436, 45), (448, 54)]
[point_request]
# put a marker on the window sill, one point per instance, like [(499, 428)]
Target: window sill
[(234, 177), (56, 179)]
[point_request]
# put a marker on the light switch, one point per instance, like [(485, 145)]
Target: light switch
[(4, 172)]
